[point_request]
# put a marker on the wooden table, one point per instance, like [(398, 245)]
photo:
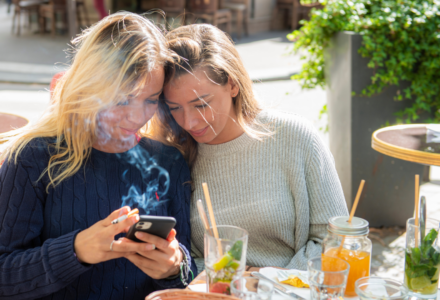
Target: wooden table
[(407, 142), (9, 122)]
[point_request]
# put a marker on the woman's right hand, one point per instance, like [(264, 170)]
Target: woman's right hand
[(92, 245)]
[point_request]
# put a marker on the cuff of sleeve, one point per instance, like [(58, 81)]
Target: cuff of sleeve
[(175, 283), (62, 258)]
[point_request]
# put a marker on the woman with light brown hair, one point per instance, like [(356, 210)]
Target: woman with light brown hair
[(86, 162), (268, 172)]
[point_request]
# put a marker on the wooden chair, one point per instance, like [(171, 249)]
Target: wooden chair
[(302, 11), (296, 11), (26, 6), (173, 8), (50, 10), (208, 11), (239, 8)]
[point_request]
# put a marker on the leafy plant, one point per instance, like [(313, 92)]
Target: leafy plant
[(401, 38)]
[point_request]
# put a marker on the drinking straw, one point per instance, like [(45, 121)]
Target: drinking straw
[(203, 216), (353, 210), (356, 201), (416, 208), (211, 216)]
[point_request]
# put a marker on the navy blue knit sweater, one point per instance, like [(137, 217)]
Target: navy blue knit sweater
[(38, 229)]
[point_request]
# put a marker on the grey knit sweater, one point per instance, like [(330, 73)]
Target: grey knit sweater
[(282, 190)]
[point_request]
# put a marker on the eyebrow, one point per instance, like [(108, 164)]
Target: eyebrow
[(155, 94), (194, 100), (152, 95)]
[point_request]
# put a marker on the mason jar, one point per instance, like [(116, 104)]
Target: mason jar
[(350, 242)]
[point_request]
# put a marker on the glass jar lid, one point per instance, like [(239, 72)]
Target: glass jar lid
[(340, 225)]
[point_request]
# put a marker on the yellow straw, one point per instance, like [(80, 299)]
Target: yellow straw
[(211, 216)]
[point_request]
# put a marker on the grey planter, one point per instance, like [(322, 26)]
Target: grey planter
[(388, 196)]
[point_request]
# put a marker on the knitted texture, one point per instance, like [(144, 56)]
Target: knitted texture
[(282, 190), (38, 229)]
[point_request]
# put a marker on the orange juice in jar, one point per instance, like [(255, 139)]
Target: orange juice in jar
[(349, 242)]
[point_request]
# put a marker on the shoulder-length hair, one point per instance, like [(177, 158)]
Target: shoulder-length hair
[(205, 46), (111, 59)]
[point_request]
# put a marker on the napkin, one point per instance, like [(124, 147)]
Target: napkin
[(198, 287), (433, 133), (272, 273)]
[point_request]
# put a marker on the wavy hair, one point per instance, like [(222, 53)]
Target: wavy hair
[(111, 59), (206, 46)]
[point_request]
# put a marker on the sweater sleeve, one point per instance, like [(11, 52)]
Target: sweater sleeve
[(29, 266), (325, 200), (180, 210)]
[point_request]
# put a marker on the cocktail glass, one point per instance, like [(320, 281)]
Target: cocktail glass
[(251, 288), (422, 259), (225, 257), (327, 277)]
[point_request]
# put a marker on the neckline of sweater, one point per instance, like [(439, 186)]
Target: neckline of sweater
[(238, 144), (103, 153)]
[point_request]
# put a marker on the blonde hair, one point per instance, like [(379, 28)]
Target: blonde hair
[(112, 59), (205, 46)]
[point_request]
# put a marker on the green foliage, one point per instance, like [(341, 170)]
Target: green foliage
[(400, 37)]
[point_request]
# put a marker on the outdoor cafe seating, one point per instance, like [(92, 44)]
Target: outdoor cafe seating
[(47, 10), (229, 15)]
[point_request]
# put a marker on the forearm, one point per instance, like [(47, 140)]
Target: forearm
[(40, 271)]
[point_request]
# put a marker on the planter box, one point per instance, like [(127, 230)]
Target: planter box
[(388, 195)]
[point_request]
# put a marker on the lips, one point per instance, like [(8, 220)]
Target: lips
[(129, 131), (198, 132)]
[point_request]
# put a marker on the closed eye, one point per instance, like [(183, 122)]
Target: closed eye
[(153, 101), (202, 105), (173, 108), (123, 103)]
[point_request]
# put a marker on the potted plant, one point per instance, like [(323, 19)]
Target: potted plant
[(380, 63)]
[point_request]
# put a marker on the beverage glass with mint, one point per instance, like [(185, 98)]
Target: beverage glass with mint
[(422, 259), (225, 257)]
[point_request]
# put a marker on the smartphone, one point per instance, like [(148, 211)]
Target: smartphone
[(155, 225)]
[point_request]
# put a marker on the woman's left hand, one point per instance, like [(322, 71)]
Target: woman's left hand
[(162, 262)]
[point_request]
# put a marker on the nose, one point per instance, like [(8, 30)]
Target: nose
[(190, 119), (137, 116)]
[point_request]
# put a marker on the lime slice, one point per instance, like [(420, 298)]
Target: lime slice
[(420, 282), (222, 262), (430, 289)]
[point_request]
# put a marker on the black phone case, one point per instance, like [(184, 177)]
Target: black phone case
[(160, 226)]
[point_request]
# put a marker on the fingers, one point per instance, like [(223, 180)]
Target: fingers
[(155, 269), (123, 226), (116, 214), (160, 243), (171, 235), (129, 246)]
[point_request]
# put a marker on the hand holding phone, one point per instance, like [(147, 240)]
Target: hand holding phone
[(155, 225), (165, 260)]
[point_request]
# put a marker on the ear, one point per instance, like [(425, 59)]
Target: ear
[(234, 87)]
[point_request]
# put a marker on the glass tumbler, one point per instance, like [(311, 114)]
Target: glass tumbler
[(251, 288), (422, 259), (225, 257), (376, 288), (327, 277)]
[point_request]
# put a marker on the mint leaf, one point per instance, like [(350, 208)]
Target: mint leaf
[(236, 250), (415, 256)]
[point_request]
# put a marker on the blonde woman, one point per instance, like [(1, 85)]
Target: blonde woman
[(268, 172), (68, 176)]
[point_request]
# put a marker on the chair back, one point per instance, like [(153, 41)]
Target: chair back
[(176, 6), (58, 3), (203, 6)]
